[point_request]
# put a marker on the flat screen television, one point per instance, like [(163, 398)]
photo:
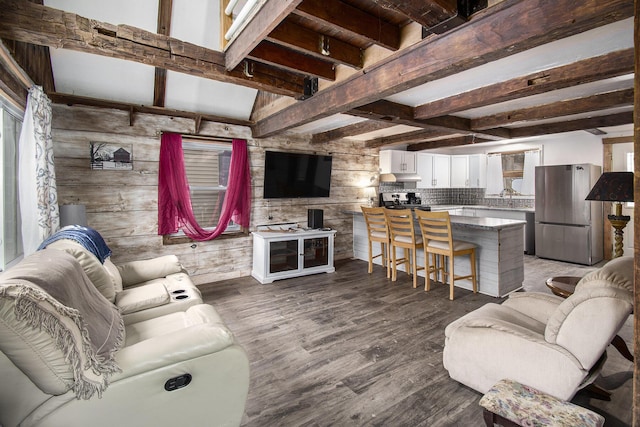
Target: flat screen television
[(295, 175)]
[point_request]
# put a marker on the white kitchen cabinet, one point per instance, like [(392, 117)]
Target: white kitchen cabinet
[(477, 170), (285, 254), (459, 171), (468, 171), (396, 161), (434, 170)]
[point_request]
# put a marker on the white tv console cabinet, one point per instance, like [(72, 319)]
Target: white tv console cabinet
[(280, 252)]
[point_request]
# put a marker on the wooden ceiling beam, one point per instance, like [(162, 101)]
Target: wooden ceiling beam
[(447, 142), (400, 114), (312, 43), (164, 27), (296, 62), (513, 26), (346, 19), (35, 61), (61, 98), (350, 130), (41, 25), (428, 13), (13, 88), (408, 138), (602, 101), (617, 119), (260, 25), (587, 70), (419, 140)]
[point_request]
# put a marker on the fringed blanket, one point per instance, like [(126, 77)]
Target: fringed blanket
[(54, 278), (86, 236)]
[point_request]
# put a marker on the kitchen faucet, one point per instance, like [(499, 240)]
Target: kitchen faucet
[(509, 191)]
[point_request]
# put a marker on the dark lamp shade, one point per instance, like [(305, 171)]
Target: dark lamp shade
[(613, 187)]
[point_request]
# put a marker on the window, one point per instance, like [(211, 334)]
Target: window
[(629, 165), (512, 172), (11, 237), (207, 167)]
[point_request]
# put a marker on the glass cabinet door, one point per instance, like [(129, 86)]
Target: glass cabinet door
[(316, 252), (283, 256)]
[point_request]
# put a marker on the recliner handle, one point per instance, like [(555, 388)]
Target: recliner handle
[(177, 382)]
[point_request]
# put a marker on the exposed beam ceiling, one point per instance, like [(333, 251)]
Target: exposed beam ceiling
[(350, 130), (404, 114), (273, 54), (359, 24), (313, 43), (620, 98), (573, 125), (256, 30), (364, 51), (60, 98), (446, 143), (588, 70), (482, 39), (31, 23)]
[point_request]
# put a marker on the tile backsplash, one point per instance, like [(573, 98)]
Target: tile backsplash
[(459, 196)]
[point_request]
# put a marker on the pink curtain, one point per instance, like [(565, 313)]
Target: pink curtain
[(174, 202)]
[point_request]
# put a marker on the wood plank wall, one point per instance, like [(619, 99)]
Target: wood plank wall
[(122, 205), (636, 217)]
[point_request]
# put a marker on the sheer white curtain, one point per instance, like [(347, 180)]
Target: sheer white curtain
[(531, 160), (495, 180), (37, 190)]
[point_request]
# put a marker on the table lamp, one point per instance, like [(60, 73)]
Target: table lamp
[(73, 215), (615, 187)]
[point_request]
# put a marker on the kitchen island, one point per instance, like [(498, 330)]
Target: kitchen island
[(500, 251)]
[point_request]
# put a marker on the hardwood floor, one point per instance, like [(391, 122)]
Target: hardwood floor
[(351, 349)]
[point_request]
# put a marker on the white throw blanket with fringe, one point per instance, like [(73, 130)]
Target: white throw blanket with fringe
[(54, 278)]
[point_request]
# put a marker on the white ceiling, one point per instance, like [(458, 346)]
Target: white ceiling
[(193, 21), (197, 22)]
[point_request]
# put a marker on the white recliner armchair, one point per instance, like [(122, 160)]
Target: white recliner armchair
[(68, 359), (552, 344)]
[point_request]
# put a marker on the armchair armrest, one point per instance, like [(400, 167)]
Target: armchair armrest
[(537, 305), (172, 348), (135, 272)]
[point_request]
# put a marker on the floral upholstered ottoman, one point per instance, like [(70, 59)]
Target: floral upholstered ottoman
[(510, 403)]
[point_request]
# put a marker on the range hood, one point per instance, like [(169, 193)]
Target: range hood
[(400, 177)]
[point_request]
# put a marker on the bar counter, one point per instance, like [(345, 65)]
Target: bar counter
[(499, 252)]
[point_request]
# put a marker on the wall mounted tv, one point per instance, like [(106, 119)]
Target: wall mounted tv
[(295, 175)]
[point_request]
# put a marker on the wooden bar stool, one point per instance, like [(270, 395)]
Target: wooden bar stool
[(402, 234), (438, 240), (377, 231)]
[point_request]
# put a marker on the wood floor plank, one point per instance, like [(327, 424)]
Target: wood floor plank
[(352, 348)]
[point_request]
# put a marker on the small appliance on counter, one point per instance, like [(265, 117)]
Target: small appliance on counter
[(401, 200)]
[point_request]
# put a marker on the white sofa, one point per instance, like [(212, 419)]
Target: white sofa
[(552, 344), (68, 359), (141, 289)]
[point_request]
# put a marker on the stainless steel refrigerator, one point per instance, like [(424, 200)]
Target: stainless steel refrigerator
[(568, 227)]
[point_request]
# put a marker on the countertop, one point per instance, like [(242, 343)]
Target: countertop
[(497, 208), (483, 223)]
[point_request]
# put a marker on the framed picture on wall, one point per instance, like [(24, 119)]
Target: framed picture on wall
[(106, 156)]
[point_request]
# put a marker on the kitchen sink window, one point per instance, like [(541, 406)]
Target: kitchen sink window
[(512, 172)]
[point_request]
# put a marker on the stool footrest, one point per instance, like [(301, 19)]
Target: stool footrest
[(524, 405)]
